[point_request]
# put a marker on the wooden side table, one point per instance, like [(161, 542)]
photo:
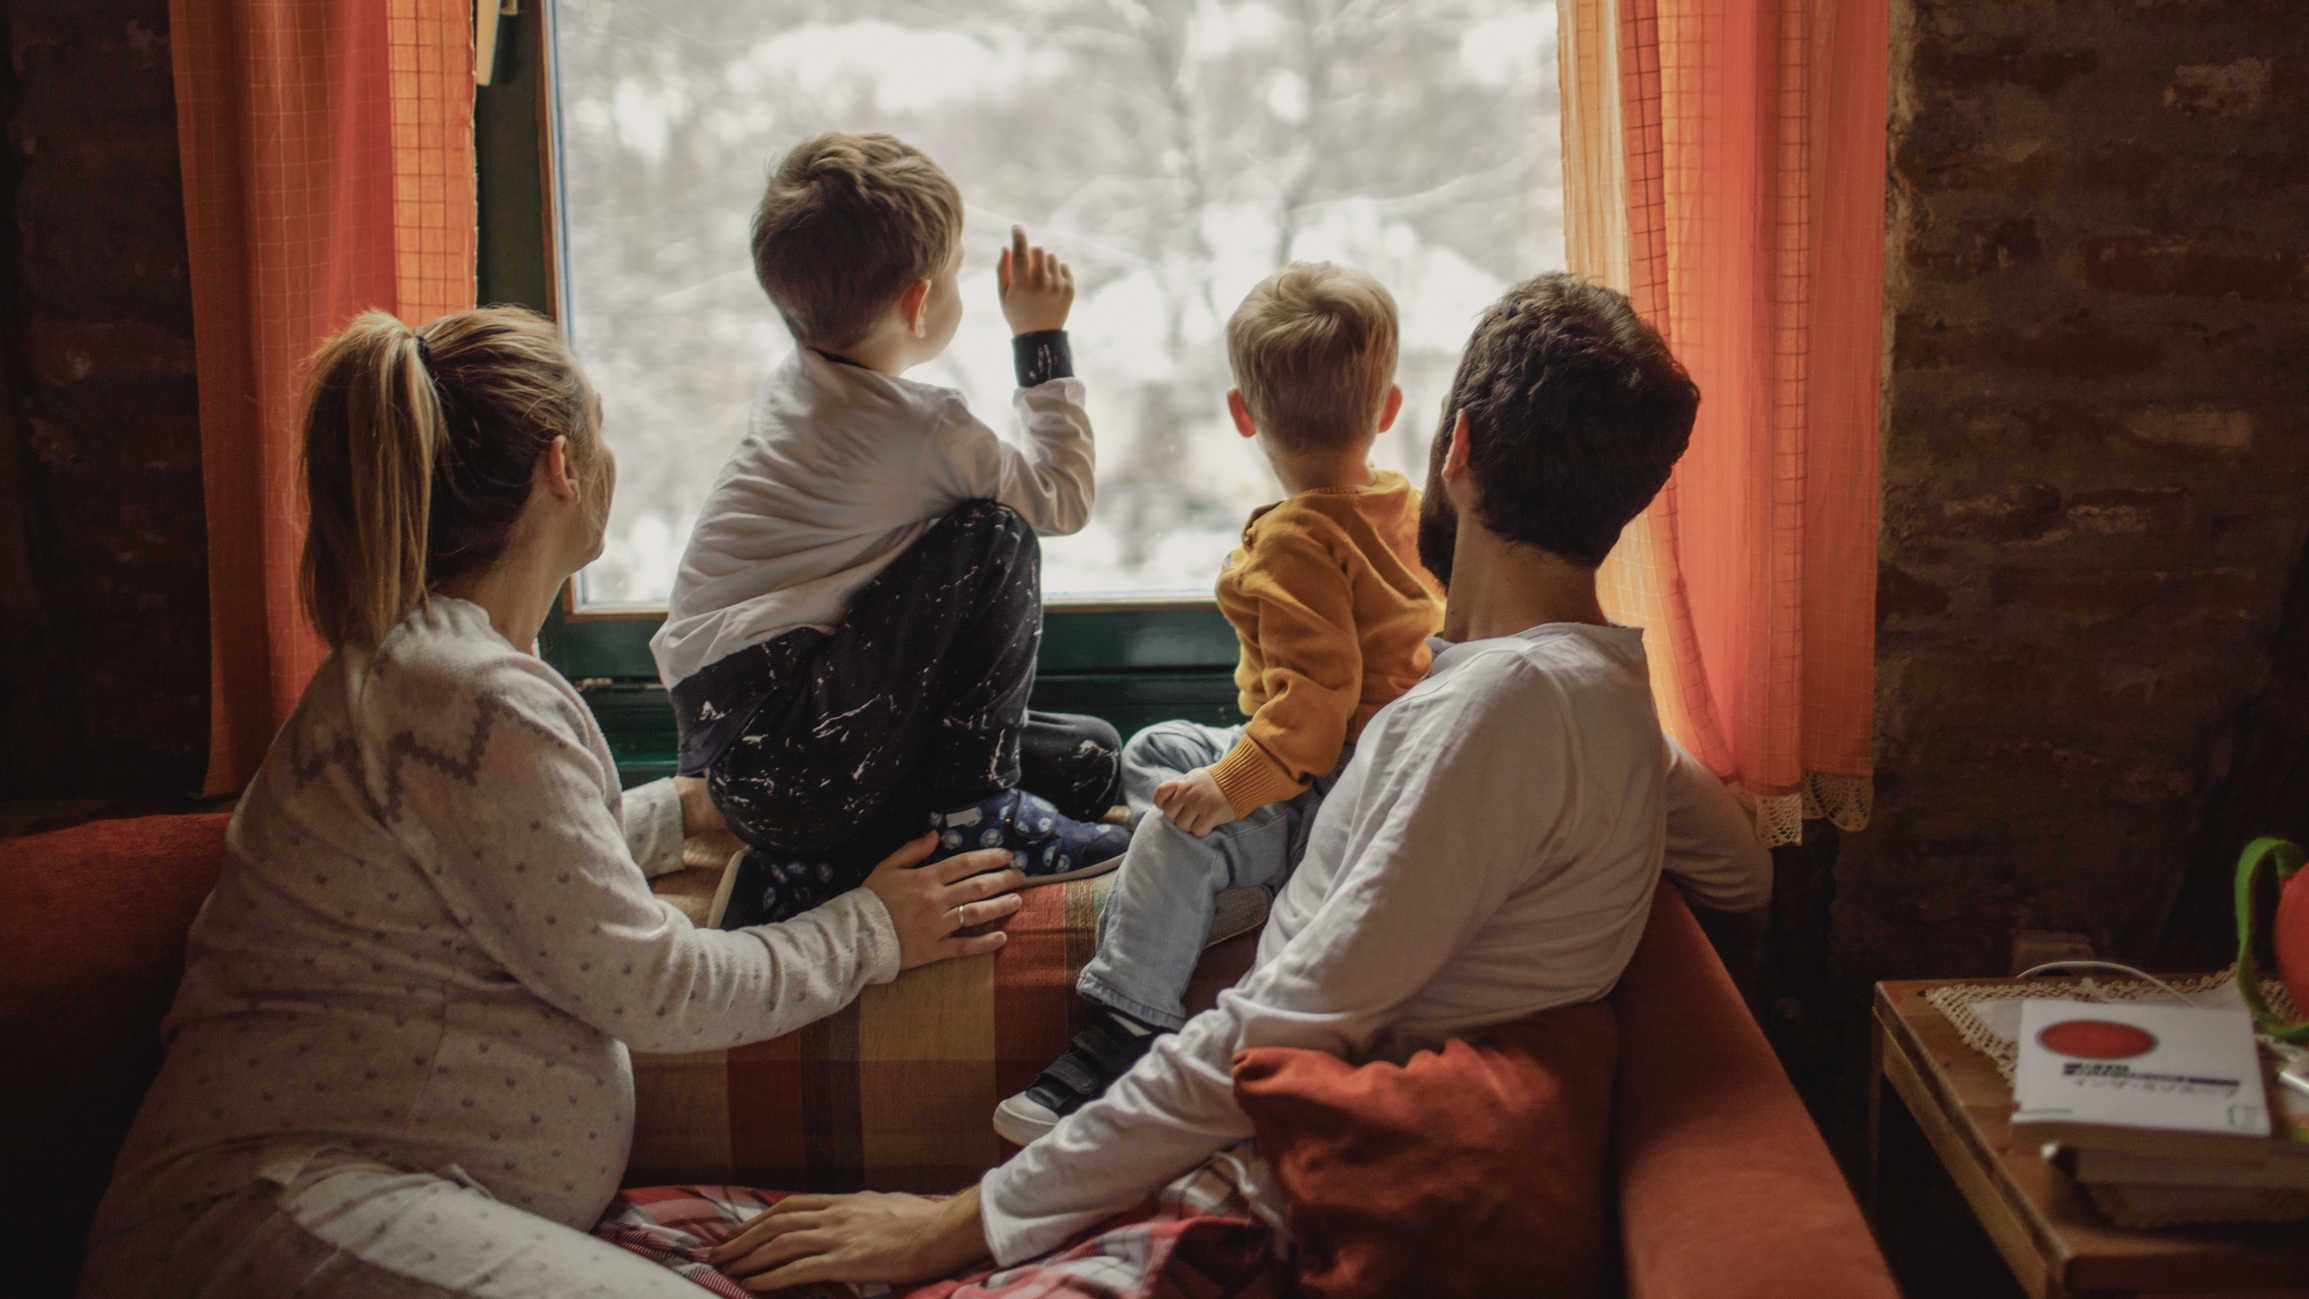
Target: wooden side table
[(2056, 1243)]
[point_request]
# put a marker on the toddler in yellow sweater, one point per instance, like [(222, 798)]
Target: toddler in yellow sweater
[(1333, 609)]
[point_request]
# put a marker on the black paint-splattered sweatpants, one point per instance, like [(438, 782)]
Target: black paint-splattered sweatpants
[(837, 747)]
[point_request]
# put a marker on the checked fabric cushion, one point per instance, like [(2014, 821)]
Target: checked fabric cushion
[(896, 1092)]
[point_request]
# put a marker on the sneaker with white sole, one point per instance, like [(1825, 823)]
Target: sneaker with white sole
[(1102, 1052)]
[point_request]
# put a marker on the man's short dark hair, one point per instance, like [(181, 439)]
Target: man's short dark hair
[(1577, 412)]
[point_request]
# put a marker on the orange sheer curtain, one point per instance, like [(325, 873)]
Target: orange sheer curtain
[(1724, 164), (328, 169)]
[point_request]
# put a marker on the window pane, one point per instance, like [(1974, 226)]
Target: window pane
[(1173, 152)]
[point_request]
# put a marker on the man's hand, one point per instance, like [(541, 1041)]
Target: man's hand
[(929, 904), (1194, 802), (1037, 288), (866, 1237), (698, 813)]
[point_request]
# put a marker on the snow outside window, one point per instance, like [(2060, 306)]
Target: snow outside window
[(1175, 152)]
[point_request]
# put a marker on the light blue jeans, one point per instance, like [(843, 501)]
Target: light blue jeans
[(1151, 934)]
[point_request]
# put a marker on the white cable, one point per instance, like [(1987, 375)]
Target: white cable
[(2035, 970)]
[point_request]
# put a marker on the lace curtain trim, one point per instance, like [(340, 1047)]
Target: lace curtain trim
[(1844, 801)]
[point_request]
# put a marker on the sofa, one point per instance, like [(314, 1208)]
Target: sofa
[(1724, 1187)]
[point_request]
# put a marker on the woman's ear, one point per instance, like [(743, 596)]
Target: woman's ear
[(554, 471), (914, 308)]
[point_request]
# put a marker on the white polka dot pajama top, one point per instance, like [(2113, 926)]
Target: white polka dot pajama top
[(433, 942)]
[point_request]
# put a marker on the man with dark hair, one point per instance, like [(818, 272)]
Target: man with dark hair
[(1572, 411), (1490, 851)]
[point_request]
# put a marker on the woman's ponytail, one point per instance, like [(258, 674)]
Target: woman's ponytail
[(373, 429), (420, 452)]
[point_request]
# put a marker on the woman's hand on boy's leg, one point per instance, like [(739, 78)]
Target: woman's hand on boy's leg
[(1037, 288), (1194, 802), (865, 1237), (928, 904)]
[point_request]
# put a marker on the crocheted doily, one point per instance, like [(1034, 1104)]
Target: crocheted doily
[(2128, 1207)]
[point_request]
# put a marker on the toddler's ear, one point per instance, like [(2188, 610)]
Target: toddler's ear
[(1242, 413)]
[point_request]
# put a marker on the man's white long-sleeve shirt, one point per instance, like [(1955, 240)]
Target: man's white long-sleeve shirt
[(840, 470), (1490, 852)]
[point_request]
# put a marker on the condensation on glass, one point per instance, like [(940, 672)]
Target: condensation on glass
[(1174, 151)]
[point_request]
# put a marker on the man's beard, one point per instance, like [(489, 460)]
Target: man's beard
[(1438, 529)]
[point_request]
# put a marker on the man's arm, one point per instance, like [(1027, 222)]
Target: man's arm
[(1444, 831), (1712, 849)]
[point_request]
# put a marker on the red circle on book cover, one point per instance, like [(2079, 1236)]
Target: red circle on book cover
[(2097, 1039)]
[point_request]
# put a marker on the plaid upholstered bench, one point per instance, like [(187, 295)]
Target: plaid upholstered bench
[(897, 1092)]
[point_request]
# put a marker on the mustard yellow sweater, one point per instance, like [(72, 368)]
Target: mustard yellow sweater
[(1334, 612)]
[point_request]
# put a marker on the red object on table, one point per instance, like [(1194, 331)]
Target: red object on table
[(2292, 939)]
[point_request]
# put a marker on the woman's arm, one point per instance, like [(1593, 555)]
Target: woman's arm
[(536, 871), (660, 814)]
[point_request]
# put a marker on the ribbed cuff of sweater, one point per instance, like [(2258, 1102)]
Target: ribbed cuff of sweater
[(1251, 779), (1041, 357)]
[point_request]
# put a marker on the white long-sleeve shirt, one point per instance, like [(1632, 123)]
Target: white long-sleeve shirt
[(841, 468), (432, 943), (1489, 852)]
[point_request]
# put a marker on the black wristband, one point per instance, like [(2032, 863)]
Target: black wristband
[(1041, 357)]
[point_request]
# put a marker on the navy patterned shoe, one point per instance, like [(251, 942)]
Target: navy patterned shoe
[(758, 889), (1048, 847)]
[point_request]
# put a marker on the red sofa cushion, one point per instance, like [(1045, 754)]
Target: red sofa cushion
[(1726, 1189), (1450, 1173), (91, 950)]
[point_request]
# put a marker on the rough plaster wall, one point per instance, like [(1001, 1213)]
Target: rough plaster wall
[(103, 548), (2098, 300)]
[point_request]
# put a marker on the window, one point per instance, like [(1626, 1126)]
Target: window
[(1174, 151)]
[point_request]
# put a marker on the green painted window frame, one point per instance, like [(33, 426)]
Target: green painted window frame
[(1133, 661)]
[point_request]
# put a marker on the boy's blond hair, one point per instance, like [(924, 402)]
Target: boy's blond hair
[(847, 223), (1313, 349)]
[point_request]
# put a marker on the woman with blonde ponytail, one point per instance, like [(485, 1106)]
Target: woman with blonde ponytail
[(398, 1063)]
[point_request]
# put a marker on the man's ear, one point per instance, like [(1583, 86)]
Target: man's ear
[(1393, 407), (1242, 413), (555, 473), (1455, 460), (913, 308)]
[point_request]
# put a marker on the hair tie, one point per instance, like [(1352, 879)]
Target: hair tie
[(424, 351)]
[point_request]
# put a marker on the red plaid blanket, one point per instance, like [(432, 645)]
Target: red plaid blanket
[(1196, 1240)]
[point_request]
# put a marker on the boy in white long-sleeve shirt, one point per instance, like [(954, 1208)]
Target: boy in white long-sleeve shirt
[(851, 639), (1489, 853)]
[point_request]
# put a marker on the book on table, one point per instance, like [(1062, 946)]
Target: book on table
[(2140, 1079), (2285, 1158)]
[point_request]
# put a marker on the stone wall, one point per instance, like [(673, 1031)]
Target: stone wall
[(2094, 451), (103, 549)]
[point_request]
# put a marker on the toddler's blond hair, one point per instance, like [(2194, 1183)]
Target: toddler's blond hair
[(1313, 350)]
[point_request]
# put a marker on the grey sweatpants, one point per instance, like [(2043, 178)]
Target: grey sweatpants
[(354, 1230)]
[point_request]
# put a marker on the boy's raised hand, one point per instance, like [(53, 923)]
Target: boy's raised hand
[(1194, 802), (1037, 288), (929, 905)]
